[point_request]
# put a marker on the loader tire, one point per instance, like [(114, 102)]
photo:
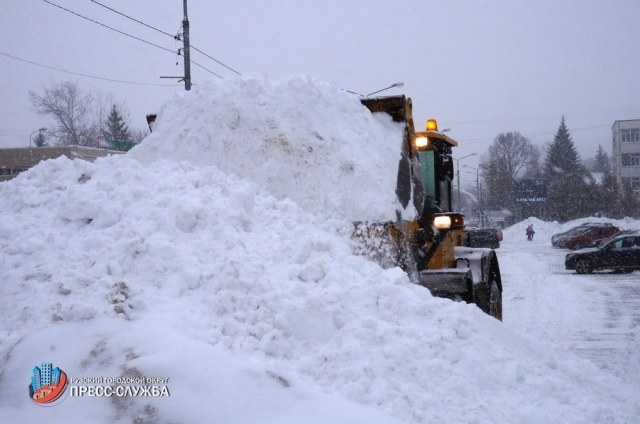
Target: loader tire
[(494, 300)]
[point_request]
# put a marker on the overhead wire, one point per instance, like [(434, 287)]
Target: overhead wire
[(85, 75), (128, 35), (106, 26), (166, 33), (210, 57), (217, 61), (133, 19), (478, 140), (539, 118)]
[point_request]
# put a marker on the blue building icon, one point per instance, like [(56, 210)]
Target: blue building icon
[(43, 376), (35, 379), (55, 375)]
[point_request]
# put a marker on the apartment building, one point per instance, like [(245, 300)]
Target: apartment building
[(626, 152)]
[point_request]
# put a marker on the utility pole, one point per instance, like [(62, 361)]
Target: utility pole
[(187, 57), (481, 205)]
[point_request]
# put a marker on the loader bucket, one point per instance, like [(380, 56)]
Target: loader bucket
[(409, 183), (151, 119), (375, 242)]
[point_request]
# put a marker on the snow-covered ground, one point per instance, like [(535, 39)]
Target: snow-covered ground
[(215, 254), (596, 316)]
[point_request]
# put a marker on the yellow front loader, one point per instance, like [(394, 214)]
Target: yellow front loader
[(433, 246)]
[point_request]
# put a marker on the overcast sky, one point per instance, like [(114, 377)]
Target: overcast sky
[(480, 67)]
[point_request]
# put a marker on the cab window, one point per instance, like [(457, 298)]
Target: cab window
[(427, 165)]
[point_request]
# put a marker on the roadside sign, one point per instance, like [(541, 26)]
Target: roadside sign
[(495, 216)]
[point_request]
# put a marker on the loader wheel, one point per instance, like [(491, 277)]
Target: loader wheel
[(494, 301)]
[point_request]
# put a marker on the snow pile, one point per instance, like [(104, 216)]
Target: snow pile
[(163, 268), (303, 140), (545, 230)]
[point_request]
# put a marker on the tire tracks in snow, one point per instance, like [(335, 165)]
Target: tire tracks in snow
[(596, 316)]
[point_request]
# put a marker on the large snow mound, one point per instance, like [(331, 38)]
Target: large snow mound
[(301, 139)]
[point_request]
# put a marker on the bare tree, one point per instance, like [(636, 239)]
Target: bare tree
[(534, 166), (508, 158), (139, 135), (72, 111), (101, 106)]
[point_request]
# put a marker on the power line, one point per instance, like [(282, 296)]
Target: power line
[(217, 61), (211, 72), (128, 35), (113, 29), (135, 20), (539, 118), (478, 140), (166, 33), (84, 75)]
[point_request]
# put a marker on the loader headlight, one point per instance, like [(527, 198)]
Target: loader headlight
[(421, 142), (442, 222)]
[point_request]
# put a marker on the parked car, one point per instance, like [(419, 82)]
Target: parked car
[(621, 253), (600, 242), (577, 229), (485, 237), (583, 238), (558, 240)]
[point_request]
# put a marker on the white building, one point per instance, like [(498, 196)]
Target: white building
[(626, 152)]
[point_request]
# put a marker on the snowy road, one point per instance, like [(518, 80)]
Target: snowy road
[(596, 316)]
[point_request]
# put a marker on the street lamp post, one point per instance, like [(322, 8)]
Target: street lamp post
[(398, 84), (478, 189), (458, 174), (30, 146), (477, 177)]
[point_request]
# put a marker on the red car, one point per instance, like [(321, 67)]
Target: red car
[(585, 238)]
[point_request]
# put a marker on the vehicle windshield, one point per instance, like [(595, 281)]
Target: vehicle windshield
[(577, 231), (427, 165), (614, 243), (436, 186)]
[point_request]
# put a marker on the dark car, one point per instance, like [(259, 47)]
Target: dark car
[(583, 238), (599, 242), (485, 237), (620, 254), (556, 239)]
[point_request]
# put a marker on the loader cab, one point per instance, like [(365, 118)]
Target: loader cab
[(433, 151)]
